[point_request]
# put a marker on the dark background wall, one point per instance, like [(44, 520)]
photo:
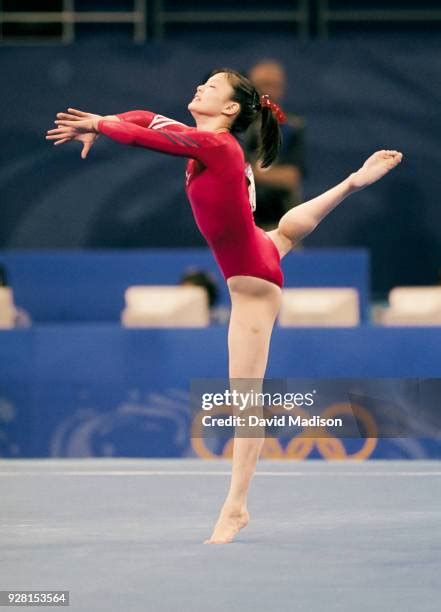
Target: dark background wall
[(357, 96)]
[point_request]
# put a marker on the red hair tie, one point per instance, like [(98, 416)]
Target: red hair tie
[(266, 102)]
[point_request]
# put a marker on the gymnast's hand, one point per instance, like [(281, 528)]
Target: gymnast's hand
[(374, 168), (76, 125)]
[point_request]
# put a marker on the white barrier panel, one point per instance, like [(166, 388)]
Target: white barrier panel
[(320, 307), (413, 306), (165, 306), (7, 308)]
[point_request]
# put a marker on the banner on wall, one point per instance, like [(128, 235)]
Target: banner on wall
[(322, 419)]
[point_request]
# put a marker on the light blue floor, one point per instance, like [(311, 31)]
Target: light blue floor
[(126, 535)]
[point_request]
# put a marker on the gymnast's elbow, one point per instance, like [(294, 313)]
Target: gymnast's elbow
[(297, 226)]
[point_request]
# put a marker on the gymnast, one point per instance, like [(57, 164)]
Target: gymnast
[(220, 188)]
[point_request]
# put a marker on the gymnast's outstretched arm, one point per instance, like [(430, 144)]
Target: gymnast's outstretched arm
[(304, 218), (143, 118), (207, 147), (148, 119)]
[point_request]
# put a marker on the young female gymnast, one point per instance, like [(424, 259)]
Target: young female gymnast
[(219, 186)]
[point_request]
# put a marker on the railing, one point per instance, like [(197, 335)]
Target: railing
[(67, 17), (331, 13), (57, 20), (294, 12)]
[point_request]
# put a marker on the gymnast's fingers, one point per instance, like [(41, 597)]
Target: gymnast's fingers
[(61, 134), (57, 131), (68, 116), (76, 111)]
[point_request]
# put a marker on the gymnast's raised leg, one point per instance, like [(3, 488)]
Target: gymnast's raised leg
[(300, 221)]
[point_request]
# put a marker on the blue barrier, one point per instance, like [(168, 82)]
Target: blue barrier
[(84, 286), (83, 390)]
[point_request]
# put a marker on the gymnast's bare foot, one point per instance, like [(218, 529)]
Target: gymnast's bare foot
[(231, 520), (375, 167)]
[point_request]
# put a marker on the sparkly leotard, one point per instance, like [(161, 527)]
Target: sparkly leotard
[(216, 186)]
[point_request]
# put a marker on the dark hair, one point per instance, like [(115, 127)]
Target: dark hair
[(251, 109), (3, 276), (201, 278)]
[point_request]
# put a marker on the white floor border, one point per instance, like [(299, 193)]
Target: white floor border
[(358, 474)]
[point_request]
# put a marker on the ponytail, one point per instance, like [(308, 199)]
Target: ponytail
[(270, 133), (270, 138), (255, 107)]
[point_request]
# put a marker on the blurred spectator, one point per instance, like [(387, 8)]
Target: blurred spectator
[(21, 317), (201, 278), (3, 276), (278, 188)]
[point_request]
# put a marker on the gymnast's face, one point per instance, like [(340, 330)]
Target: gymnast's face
[(213, 98)]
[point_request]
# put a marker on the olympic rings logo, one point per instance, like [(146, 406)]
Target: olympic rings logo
[(301, 445)]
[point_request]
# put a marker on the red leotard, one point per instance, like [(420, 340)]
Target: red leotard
[(216, 187)]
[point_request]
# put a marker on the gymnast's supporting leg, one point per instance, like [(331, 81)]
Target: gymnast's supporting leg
[(255, 304)]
